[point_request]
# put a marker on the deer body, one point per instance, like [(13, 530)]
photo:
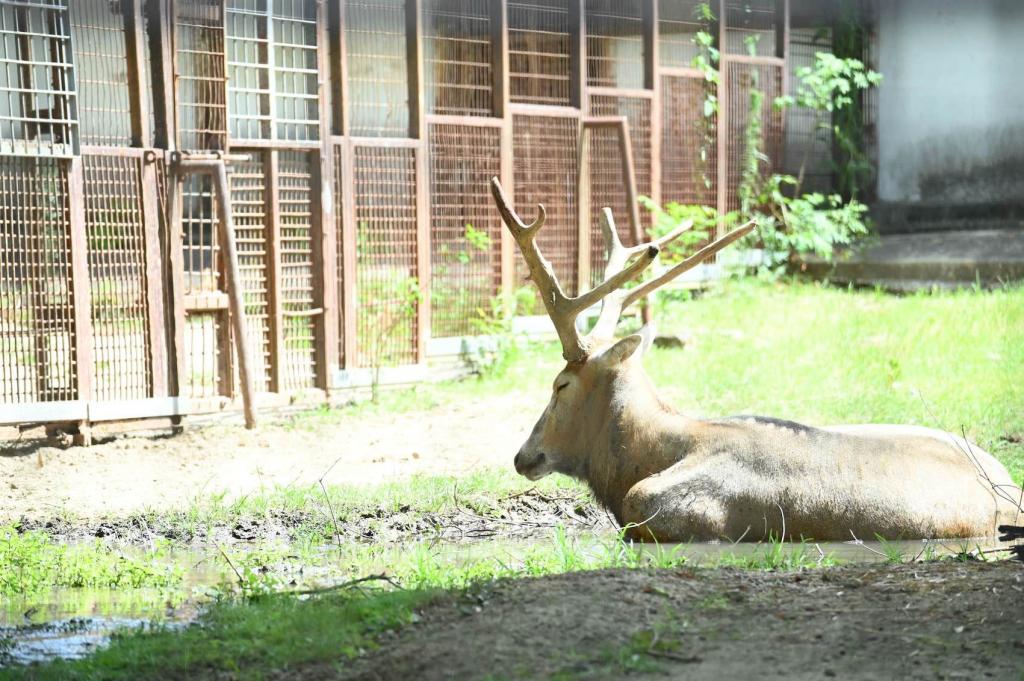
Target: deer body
[(680, 479), (671, 478)]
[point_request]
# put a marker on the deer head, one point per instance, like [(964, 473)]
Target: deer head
[(601, 376)]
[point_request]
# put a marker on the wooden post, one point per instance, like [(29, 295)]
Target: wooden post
[(158, 363), (161, 50), (578, 54), (722, 124), (275, 306), (418, 130), (135, 38), (339, 66), (583, 213), (325, 246), (234, 286), (348, 254), (502, 95), (652, 81), (80, 288)]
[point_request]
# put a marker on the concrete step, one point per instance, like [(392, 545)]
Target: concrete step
[(947, 259)]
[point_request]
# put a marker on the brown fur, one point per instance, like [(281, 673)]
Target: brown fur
[(680, 478)]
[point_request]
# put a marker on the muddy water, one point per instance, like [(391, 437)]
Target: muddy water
[(71, 623)]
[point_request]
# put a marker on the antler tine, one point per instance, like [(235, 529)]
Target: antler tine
[(714, 247), (562, 309), (618, 255), (516, 226)]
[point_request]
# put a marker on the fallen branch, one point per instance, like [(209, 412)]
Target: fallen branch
[(346, 585)]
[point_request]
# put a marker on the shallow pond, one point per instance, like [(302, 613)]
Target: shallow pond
[(71, 623)]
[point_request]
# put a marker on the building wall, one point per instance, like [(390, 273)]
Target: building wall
[(951, 106)]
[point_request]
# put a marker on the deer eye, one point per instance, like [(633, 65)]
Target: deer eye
[(558, 388)]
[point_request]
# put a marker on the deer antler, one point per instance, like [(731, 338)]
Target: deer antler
[(562, 309), (619, 271), (615, 304)]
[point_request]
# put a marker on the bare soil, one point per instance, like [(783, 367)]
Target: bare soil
[(135, 474), (937, 620)]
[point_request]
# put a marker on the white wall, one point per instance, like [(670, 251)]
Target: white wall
[(951, 105)]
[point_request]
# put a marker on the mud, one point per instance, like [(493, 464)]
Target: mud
[(522, 515), (937, 620)]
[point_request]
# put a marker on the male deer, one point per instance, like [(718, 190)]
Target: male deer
[(669, 477)]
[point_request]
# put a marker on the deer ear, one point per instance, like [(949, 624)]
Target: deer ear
[(623, 350)]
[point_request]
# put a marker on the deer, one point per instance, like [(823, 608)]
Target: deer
[(668, 477)]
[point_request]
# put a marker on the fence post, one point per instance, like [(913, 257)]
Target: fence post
[(722, 125), (134, 30), (154, 276), (80, 289), (325, 246), (652, 81), (418, 130), (500, 83)]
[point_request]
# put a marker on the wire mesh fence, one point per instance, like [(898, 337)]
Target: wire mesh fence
[(744, 79), (689, 143), (101, 56), (540, 50), (252, 227), (378, 78), (37, 79), (457, 57), (200, 74), (297, 278), (465, 230), (615, 43), (678, 22), (37, 325), (115, 233), (386, 244), (545, 172)]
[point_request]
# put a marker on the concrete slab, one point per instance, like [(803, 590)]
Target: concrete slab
[(949, 259)]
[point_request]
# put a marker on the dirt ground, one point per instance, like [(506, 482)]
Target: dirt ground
[(938, 620), (134, 474)]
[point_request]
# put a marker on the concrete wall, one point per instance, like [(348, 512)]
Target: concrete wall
[(951, 106)]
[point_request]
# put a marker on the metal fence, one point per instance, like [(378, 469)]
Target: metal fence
[(366, 131)]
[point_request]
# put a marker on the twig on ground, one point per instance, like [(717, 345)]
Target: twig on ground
[(861, 544), (347, 585), (233, 568)]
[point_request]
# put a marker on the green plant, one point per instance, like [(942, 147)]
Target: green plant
[(829, 87), (388, 326)]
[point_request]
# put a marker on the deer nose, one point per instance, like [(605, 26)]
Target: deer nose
[(515, 461)]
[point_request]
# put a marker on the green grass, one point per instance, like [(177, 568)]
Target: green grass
[(31, 562)]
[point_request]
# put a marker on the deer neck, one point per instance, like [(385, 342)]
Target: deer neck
[(643, 435)]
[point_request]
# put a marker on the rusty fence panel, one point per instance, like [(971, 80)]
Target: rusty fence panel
[(540, 51), (297, 277), (545, 169), (384, 179), (38, 349), (688, 149), (742, 77), (249, 202), (607, 184), (465, 229), (119, 311)]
